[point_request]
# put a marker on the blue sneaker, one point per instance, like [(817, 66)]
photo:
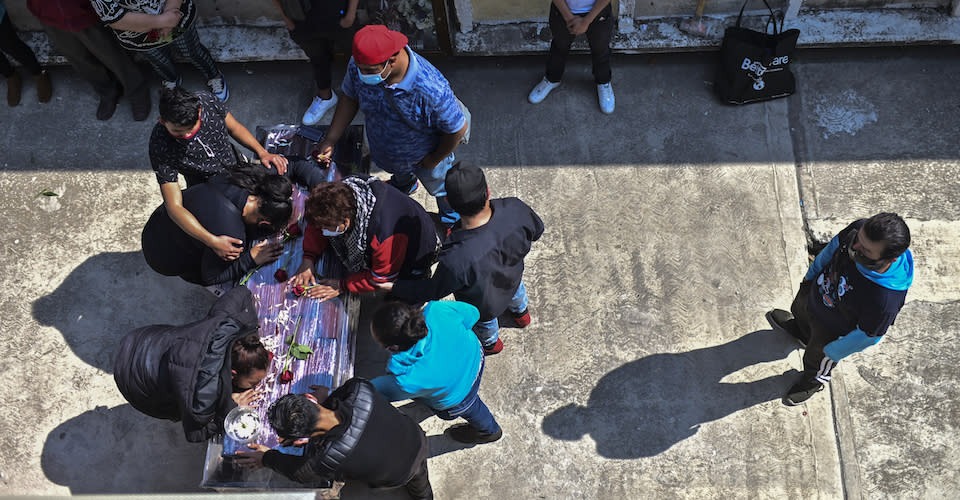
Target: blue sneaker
[(218, 87)]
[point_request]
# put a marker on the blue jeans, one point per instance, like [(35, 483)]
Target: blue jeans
[(433, 179), (488, 331), (472, 409)]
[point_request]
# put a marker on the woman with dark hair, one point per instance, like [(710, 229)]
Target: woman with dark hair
[(436, 360), (195, 373), (247, 203), (379, 234)]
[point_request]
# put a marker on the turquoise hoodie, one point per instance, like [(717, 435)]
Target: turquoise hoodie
[(440, 369)]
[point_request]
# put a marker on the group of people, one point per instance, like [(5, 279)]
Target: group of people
[(386, 241), (99, 37)]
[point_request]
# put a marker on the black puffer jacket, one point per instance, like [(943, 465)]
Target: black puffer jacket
[(183, 372), (374, 443)]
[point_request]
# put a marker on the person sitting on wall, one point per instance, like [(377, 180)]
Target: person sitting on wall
[(245, 204), (195, 373), (379, 234), (354, 434)]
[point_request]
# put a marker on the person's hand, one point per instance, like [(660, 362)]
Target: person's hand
[(325, 290), (347, 20), (252, 460), (246, 397), (168, 20), (304, 277), (388, 286), (266, 252), (324, 153), (320, 392), (272, 160), (578, 25), (429, 162), (226, 247)]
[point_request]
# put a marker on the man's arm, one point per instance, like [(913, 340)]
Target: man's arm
[(350, 15), (564, 9), (442, 283), (346, 110), (448, 143), (141, 23), (286, 20), (226, 247), (244, 137)]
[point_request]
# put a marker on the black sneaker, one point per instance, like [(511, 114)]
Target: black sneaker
[(407, 189), (802, 391), (785, 322), (466, 433)]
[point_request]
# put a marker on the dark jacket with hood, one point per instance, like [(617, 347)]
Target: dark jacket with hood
[(183, 372)]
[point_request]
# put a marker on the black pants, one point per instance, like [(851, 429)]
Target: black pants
[(598, 35), (320, 46), (816, 366), (97, 57), (15, 48), (419, 485)]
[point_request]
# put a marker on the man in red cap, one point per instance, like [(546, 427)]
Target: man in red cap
[(413, 120)]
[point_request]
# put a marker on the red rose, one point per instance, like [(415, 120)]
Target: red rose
[(281, 275), (153, 35), (286, 377), (299, 290), (269, 357), (293, 230)]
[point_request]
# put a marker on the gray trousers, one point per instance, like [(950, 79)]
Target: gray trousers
[(97, 57)]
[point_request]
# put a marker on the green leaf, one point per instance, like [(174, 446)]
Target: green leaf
[(47, 192), (300, 351), (288, 340)]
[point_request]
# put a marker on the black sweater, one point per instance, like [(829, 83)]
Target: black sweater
[(373, 443), (170, 251), (481, 266), (183, 372)]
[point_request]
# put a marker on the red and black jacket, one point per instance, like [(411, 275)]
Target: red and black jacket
[(402, 241)]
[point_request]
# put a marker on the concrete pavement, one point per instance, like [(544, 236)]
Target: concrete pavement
[(649, 370)]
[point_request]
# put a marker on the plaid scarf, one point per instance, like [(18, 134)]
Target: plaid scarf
[(351, 246)]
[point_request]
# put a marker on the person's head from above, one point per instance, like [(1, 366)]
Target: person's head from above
[(467, 191), (294, 418), (180, 112), (397, 326), (332, 207), (880, 241), (376, 50), (268, 205), (248, 362)]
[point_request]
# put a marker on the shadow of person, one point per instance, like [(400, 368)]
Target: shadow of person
[(646, 406), (110, 294), (119, 450)]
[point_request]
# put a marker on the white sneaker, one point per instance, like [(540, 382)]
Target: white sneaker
[(605, 95), (539, 93), (218, 87), (318, 108)]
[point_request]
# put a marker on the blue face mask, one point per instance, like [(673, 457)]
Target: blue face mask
[(374, 79)]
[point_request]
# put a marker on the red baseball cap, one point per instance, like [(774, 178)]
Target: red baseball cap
[(375, 43)]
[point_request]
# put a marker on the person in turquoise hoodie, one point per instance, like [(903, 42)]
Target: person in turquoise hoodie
[(849, 297), (436, 360)]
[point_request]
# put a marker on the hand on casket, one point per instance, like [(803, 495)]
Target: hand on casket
[(252, 460)]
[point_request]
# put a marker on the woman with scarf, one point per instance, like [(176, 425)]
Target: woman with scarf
[(379, 234)]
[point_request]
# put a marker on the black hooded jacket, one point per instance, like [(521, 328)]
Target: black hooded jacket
[(183, 372)]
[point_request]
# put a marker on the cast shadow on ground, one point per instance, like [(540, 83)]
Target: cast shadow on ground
[(646, 406), (110, 294), (121, 451)]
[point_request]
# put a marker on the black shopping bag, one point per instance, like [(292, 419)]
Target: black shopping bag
[(755, 66)]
